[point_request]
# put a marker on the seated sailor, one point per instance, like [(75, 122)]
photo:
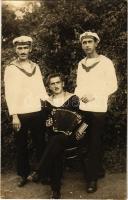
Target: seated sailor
[(62, 117)]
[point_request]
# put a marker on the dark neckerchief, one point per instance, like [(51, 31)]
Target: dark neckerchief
[(24, 71), (27, 73), (90, 67)]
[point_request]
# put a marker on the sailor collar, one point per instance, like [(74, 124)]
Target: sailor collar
[(16, 63), (90, 63), (60, 101)]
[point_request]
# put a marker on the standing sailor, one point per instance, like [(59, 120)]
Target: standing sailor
[(24, 90), (96, 81)]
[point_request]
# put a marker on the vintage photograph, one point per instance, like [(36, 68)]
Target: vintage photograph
[(63, 99)]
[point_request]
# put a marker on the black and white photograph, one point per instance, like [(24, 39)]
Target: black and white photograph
[(64, 99)]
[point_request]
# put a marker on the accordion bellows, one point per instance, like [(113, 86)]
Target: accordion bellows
[(65, 121)]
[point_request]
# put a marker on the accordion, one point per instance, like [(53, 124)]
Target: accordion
[(66, 121)]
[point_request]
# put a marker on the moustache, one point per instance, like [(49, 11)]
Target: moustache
[(56, 88)]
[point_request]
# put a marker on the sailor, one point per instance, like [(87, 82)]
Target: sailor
[(24, 90)]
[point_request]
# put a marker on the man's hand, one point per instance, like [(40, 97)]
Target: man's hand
[(49, 122), (79, 135), (81, 131), (16, 123), (87, 98)]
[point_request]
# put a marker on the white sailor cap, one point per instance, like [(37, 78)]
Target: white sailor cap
[(89, 34), (23, 40)]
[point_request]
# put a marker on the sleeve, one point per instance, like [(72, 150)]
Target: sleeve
[(11, 89), (79, 81), (75, 102), (47, 108), (111, 79), (46, 111), (47, 115), (109, 85), (41, 88)]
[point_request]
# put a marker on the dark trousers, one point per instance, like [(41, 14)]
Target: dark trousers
[(51, 164), (32, 122), (95, 130)]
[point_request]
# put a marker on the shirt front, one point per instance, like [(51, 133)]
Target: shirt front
[(23, 93), (98, 80)]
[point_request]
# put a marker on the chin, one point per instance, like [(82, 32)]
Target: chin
[(88, 52), (57, 92), (23, 58)]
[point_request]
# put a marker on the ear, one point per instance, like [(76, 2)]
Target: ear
[(63, 83), (96, 43), (30, 49), (82, 46)]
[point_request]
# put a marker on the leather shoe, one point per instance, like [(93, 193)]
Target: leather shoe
[(91, 186), (56, 195), (22, 182)]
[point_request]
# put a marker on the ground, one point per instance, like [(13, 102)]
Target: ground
[(113, 186)]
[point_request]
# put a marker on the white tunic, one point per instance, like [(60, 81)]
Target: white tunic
[(23, 93), (99, 82)]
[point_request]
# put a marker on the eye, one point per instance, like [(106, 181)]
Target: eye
[(84, 43), (19, 48)]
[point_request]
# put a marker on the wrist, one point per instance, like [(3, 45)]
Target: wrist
[(14, 116)]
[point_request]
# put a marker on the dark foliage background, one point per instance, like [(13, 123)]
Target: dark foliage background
[(55, 27)]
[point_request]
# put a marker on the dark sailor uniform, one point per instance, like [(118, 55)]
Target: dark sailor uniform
[(51, 164)]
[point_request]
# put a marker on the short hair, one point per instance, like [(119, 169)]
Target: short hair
[(53, 75)]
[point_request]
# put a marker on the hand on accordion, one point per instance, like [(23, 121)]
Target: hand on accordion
[(81, 131), (79, 135), (49, 122)]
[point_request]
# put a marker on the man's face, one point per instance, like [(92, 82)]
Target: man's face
[(89, 45), (23, 51), (56, 85)]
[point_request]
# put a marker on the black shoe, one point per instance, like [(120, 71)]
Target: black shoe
[(56, 195), (22, 182), (91, 186)]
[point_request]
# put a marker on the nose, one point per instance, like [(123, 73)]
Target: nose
[(22, 51), (56, 84), (87, 44)]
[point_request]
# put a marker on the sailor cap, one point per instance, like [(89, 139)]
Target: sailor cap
[(23, 40), (89, 34)]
